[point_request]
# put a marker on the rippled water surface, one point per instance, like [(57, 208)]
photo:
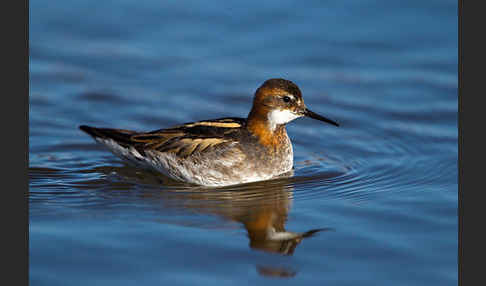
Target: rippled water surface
[(373, 202)]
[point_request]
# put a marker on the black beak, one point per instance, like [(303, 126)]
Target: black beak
[(311, 114)]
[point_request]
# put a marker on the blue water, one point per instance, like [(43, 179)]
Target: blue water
[(382, 186)]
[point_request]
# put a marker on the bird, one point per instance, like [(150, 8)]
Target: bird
[(219, 152)]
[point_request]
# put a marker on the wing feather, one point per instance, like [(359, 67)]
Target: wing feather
[(184, 140), (193, 137)]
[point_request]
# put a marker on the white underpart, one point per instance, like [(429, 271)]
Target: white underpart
[(278, 117), (163, 162), (127, 153), (186, 171)]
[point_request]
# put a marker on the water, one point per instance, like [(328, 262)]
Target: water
[(382, 186)]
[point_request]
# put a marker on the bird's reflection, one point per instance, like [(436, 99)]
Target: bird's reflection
[(262, 208)]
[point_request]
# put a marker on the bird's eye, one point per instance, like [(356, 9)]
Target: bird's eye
[(286, 99)]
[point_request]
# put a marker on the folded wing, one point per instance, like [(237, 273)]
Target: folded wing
[(183, 140)]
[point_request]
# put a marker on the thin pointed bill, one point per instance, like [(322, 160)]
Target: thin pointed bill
[(311, 114)]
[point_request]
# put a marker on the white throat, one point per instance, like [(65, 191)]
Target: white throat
[(278, 117)]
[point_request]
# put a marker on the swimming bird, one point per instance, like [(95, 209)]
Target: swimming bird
[(222, 151)]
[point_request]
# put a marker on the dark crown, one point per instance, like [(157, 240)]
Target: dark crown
[(283, 84)]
